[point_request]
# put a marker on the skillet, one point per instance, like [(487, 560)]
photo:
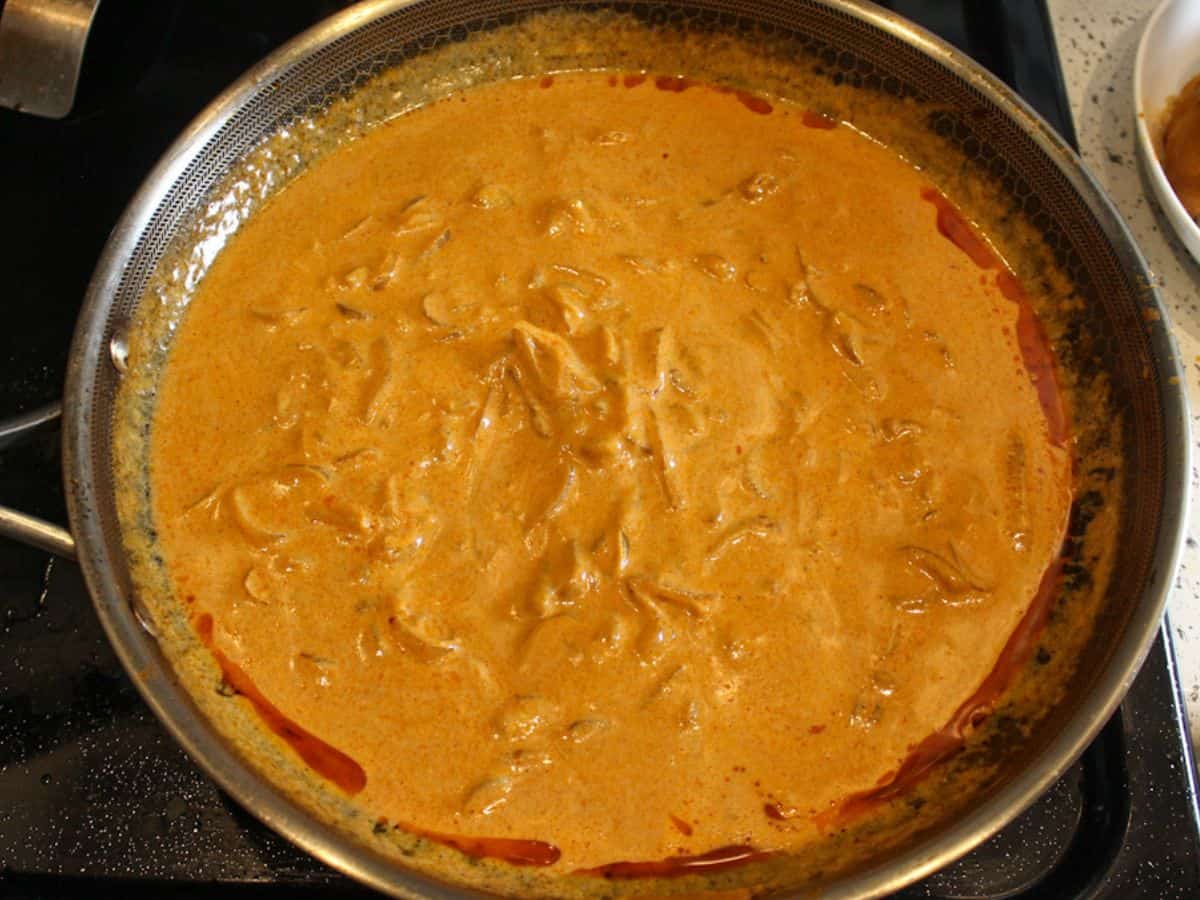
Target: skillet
[(1112, 343)]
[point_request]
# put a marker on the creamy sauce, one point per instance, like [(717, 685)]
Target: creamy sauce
[(598, 471), (1181, 146)]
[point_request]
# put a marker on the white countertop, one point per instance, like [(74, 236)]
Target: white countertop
[(1097, 41)]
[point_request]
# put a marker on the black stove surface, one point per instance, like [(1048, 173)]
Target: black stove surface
[(96, 797)]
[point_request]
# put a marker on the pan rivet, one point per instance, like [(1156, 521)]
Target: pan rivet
[(144, 619), (118, 351)]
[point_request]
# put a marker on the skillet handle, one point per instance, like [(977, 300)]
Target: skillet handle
[(37, 533), (41, 54), (25, 528)]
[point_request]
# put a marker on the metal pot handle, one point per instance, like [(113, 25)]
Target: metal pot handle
[(41, 53), (18, 525)]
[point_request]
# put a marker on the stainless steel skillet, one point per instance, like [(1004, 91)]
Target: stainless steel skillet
[(1119, 335)]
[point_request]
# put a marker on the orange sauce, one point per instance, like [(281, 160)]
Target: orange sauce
[(949, 740), (1181, 146), (1031, 335), (632, 482), (325, 760)]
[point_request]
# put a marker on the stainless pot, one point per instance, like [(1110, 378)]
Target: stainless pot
[(1118, 334)]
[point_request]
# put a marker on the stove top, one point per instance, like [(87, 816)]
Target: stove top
[(96, 797)]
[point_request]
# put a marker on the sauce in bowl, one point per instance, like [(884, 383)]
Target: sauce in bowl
[(1181, 146)]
